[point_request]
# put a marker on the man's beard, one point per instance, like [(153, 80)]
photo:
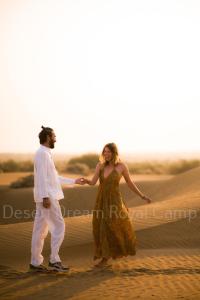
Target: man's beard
[(51, 144)]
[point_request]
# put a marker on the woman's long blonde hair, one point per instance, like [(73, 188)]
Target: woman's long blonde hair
[(115, 154)]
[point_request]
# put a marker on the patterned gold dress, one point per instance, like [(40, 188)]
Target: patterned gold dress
[(114, 235)]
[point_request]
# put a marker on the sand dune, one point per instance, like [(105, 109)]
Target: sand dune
[(79, 230), (76, 198), (167, 263)]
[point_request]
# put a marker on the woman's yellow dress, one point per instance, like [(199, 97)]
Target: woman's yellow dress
[(113, 232)]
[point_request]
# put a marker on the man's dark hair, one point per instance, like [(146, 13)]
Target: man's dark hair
[(46, 131)]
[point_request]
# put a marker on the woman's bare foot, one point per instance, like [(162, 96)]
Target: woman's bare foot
[(102, 263)]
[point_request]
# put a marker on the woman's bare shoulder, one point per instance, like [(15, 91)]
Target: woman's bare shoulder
[(122, 165)]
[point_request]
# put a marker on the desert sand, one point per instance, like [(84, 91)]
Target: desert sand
[(167, 263)]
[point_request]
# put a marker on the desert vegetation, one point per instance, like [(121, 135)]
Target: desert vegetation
[(85, 165)]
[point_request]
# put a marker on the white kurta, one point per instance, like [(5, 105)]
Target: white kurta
[(47, 183)]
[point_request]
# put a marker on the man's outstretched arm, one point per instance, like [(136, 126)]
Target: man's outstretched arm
[(70, 181)]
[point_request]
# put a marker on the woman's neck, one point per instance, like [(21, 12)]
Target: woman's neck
[(110, 164)]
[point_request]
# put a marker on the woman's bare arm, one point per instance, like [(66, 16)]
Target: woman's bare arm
[(95, 178), (131, 184)]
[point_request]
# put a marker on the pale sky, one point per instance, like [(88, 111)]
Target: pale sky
[(101, 71)]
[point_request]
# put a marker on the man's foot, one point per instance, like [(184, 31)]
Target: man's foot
[(57, 266), (40, 268), (102, 263)]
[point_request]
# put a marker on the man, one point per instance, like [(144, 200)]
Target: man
[(47, 193)]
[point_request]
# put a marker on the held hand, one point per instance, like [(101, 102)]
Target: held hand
[(46, 203), (86, 181), (146, 199), (80, 181)]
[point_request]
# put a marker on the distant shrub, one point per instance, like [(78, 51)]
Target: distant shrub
[(9, 166), (14, 166), (90, 160), (27, 181), (183, 165), (26, 166), (77, 168), (164, 167), (147, 168)]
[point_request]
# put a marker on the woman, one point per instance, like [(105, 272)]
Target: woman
[(114, 236)]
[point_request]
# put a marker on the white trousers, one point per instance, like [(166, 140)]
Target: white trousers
[(47, 219)]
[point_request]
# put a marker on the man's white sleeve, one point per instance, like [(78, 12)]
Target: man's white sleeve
[(65, 180), (41, 171)]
